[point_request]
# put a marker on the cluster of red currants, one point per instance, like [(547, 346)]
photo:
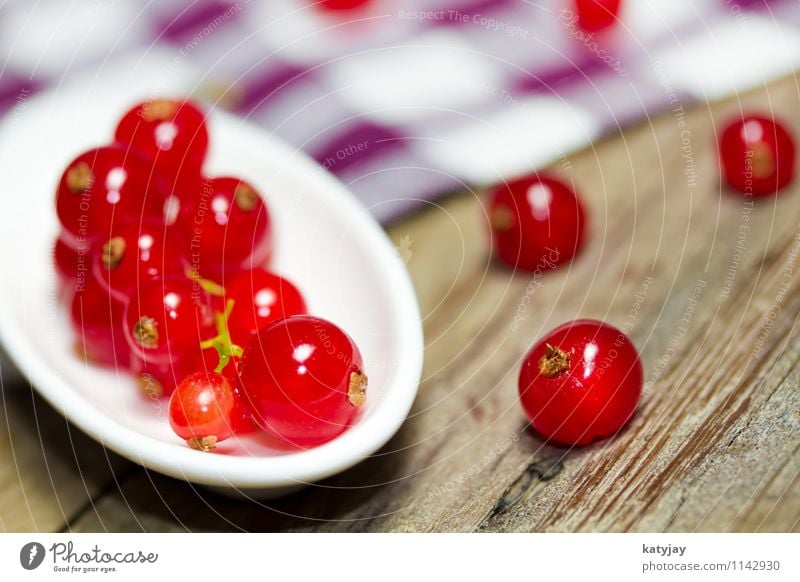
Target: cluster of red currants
[(583, 381), (164, 270)]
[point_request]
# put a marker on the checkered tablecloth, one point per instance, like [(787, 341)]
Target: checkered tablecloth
[(407, 100)]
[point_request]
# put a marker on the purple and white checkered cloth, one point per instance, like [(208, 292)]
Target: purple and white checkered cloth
[(407, 100)]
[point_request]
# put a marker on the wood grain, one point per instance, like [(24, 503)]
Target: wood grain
[(703, 281)]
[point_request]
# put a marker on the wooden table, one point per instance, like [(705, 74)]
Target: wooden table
[(705, 283)]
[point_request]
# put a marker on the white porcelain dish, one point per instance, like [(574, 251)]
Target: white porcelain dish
[(326, 242)]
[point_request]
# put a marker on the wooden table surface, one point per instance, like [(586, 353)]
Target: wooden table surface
[(704, 282)]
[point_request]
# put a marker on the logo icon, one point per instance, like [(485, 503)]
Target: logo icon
[(404, 248), (31, 555)]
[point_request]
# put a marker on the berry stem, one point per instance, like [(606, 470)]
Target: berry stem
[(357, 389), (554, 362), (222, 341), (209, 286), (502, 219), (205, 444)]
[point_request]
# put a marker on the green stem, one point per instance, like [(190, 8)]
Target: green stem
[(209, 286), (226, 349)]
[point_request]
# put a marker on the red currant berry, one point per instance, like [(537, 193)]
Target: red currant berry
[(104, 186), (171, 133), (96, 319), (227, 230), (304, 380), (581, 382), (168, 318), (189, 188), (71, 263), (158, 377), (757, 155), (595, 15), (200, 410), (66, 260), (261, 297), (136, 252), (537, 223), (340, 4), (241, 417)]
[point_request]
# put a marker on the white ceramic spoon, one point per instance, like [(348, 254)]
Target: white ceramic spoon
[(325, 242)]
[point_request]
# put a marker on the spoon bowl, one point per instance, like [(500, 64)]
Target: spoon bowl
[(325, 242)]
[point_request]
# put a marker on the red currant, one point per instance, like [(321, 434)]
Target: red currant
[(189, 188), (104, 186), (169, 132), (595, 15), (241, 417), (134, 253), (340, 4), (581, 382), (158, 377), (168, 318), (227, 230), (757, 155), (66, 260), (537, 223), (71, 264), (96, 318), (261, 297), (200, 410), (304, 380)]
